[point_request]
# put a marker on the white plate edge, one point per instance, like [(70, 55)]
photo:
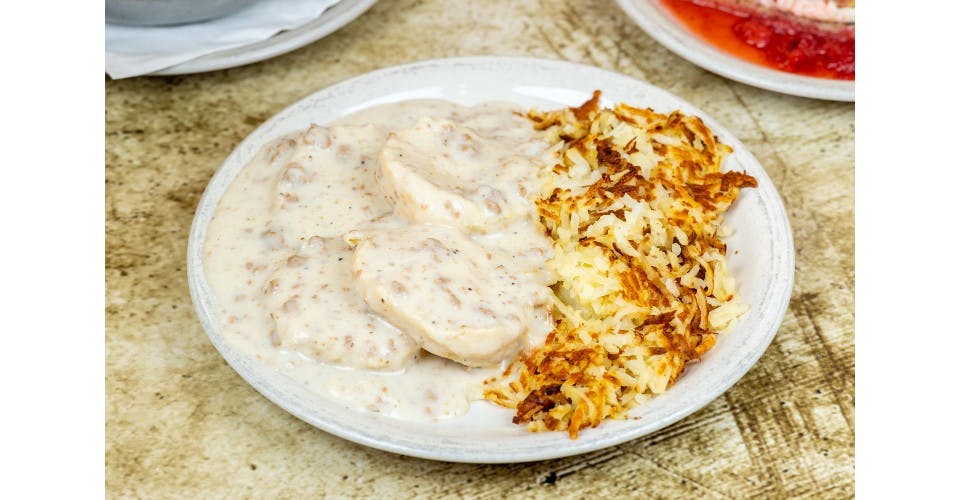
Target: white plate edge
[(279, 44)]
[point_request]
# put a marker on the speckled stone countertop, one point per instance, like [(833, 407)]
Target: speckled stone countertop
[(181, 423)]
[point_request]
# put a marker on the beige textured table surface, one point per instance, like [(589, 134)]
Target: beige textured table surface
[(181, 423)]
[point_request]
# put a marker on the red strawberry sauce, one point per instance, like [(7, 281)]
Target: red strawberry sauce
[(775, 40)]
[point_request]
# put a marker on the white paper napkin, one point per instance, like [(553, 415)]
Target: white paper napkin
[(136, 50)]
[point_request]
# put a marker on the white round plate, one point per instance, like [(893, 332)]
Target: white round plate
[(661, 25), (760, 254), (331, 20)]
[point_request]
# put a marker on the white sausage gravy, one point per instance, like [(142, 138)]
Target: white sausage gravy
[(392, 260)]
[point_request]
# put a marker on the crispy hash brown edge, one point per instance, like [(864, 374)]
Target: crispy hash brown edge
[(634, 206)]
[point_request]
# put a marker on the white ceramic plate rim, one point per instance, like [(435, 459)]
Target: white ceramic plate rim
[(654, 19), (326, 23), (458, 79)]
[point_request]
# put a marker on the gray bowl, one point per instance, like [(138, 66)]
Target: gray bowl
[(166, 12)]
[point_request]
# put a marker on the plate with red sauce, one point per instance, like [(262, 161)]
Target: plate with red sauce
[(803, 48)]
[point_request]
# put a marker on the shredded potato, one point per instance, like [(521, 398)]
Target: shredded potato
[(634, 207)]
